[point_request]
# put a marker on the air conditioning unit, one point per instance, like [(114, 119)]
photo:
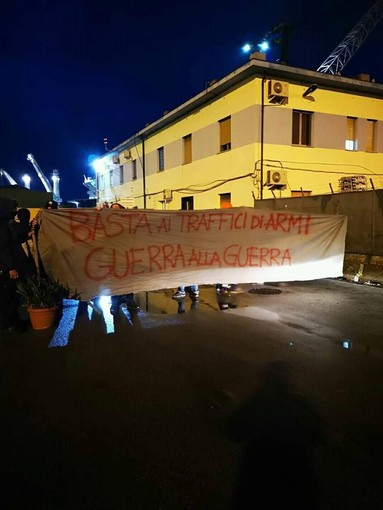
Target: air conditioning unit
[(276, 178), (278, 92), (127, 154), (116, 160)]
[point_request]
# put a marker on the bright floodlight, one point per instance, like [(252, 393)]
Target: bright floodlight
[(263, 46), (27, 181), (98, 165), (246, 48)]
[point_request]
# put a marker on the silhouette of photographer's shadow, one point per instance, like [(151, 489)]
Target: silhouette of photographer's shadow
[(279, 431)]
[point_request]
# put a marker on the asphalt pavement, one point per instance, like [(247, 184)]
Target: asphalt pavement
[(268, 396)]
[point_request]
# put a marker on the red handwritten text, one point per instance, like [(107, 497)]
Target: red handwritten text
[(195, 222), (101, 263), (85, 228), (299, 224)]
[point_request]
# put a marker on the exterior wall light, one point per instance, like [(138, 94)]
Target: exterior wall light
[(310, 90)]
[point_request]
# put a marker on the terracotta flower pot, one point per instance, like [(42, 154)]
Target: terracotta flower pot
[(42, 318)]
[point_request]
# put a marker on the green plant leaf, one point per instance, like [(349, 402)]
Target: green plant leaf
[(43, 291)]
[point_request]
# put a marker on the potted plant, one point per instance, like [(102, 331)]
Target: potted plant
[(42, 296)]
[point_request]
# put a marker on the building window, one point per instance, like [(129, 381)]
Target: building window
[(225, 134), (134, 169), (161, 163), (225, 200), (351, 143), (187, 203), (371, 136), (121, 174), (302, 128), (102, 181), (111, 178), (187, 149)]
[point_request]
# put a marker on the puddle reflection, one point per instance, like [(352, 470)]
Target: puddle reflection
[(161, 302), (151, 309), (69, 313)]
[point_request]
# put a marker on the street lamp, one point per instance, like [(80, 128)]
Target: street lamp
[(307, 94), (27, 181), (99, 167), (246, 48), (263, 47), (279, 35)]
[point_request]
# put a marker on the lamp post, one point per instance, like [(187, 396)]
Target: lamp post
[(99, 167), (27, 181)]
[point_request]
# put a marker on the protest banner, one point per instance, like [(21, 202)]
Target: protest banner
[(118, 251)]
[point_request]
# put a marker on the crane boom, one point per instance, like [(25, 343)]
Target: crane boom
[(8, 177), (335, 62), (43, 178)]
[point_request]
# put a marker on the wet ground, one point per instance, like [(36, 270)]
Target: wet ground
[(270, 393)]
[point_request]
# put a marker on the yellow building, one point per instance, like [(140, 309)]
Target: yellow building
[(265, 130)]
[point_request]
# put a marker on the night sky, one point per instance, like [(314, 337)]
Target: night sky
[(75, 72)]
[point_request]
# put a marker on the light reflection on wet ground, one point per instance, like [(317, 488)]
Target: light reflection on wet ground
[(155, 309), (158, 309), (122, 401), (161, 302), (66, 324)]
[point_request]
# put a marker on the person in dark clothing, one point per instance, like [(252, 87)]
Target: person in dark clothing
[(22, 233), (22, 224), (50, 204), (9, 272), (35, 227)]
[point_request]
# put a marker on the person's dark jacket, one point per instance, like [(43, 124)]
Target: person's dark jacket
[(7, 245), (21, 230)]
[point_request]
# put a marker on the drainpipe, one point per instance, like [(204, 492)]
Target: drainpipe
[(144, 185), (262, 133), (144, 171)]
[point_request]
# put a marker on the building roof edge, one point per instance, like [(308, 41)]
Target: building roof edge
[(255, 68)]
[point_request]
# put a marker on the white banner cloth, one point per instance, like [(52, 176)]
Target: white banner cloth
[(118, 251)]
